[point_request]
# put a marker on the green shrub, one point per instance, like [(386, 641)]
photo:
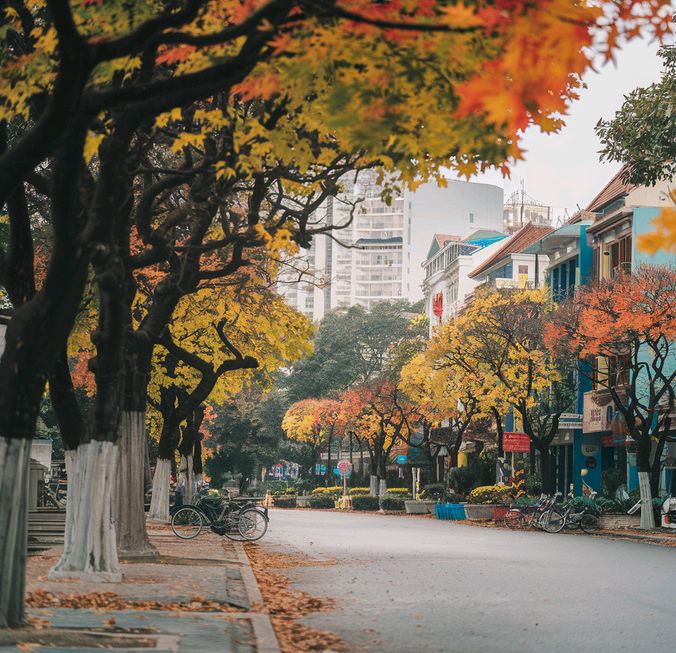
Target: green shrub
[(285, 502), (390, 503), (433, 492), (365, 502), (612, 480), (463, 479), (319, 492), (359, 490), (399, 493), (490, 494), (322, 501)]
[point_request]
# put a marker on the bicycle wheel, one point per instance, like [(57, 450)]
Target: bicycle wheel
[(252, 524), (514, 520), (187, 522), (552, 521), (589, 523)]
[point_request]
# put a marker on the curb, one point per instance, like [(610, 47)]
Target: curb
[(266, 640)]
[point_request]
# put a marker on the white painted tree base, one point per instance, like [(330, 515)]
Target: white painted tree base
[(159, 504), (647, 515), (373, 486), (90, 551)]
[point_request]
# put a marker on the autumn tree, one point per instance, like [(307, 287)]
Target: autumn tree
[(499, 343), (444, 394), (80, 75), (381, 417), (314, 422), (627, 327), (197, 362)]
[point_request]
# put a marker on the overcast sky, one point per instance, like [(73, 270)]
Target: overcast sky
[(563, 170)]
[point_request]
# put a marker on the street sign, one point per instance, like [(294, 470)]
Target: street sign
[(590, 449), (344, 467), (515, 442)]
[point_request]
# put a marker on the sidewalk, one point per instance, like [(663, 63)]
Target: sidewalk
[(197, 596)]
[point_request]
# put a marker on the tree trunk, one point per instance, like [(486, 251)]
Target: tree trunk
[(14, 470), (159, 504), (373, 489), (186, 477), (132, 538), (90, 551), (643, 446), (647, 514), (382, 488)]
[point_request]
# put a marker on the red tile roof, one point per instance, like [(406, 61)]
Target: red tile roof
[(613, 190), (442, 240), (517, 243)]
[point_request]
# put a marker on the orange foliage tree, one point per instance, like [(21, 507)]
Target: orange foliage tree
[(316, 423), (624, 330), (381, 417)]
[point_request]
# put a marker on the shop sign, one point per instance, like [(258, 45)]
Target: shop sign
[(418, 437), (607, 440), (515, 442), (570, 421), (597, 416)]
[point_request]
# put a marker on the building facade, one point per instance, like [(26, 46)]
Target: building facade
[(380, 255)]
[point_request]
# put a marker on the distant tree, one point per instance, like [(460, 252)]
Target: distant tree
[(352, 346)]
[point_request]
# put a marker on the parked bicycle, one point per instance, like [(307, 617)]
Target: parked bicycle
[(575, 516), (223, 517), (543, 515)]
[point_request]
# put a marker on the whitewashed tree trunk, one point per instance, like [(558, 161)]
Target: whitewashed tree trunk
[(130, 519), (647, 515), (14, 471), (373, 489), (382, 490), (186, 477), (90, 551), (159, 504)]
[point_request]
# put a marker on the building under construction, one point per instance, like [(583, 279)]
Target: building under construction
[(521, 209)]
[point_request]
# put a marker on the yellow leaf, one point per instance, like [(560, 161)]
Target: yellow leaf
[(92, 145)]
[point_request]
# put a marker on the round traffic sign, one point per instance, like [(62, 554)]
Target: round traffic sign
[(344, 467)]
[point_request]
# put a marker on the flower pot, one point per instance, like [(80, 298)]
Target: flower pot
[(478, 511), (499, 512), (620, 521)]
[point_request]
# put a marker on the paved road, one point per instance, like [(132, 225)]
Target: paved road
[(407, 584)]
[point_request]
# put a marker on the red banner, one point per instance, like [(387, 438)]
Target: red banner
[(515, 442)]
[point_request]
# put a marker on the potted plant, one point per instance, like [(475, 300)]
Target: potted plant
[(488, 502)]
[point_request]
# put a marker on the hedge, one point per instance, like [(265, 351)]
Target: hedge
[(391, 503), (334, 491), (322, 502), (285, 502), (359, 490), (365, 502), (399, 493)]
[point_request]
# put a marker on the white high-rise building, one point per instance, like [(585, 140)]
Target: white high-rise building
[(380, 255)]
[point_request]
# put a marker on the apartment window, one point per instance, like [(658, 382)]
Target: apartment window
[(471, 218)]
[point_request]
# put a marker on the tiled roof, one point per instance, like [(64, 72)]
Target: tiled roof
[(517, 243), (442, 240), (613, 190)]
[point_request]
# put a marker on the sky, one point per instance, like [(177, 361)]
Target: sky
[(563, 170)]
